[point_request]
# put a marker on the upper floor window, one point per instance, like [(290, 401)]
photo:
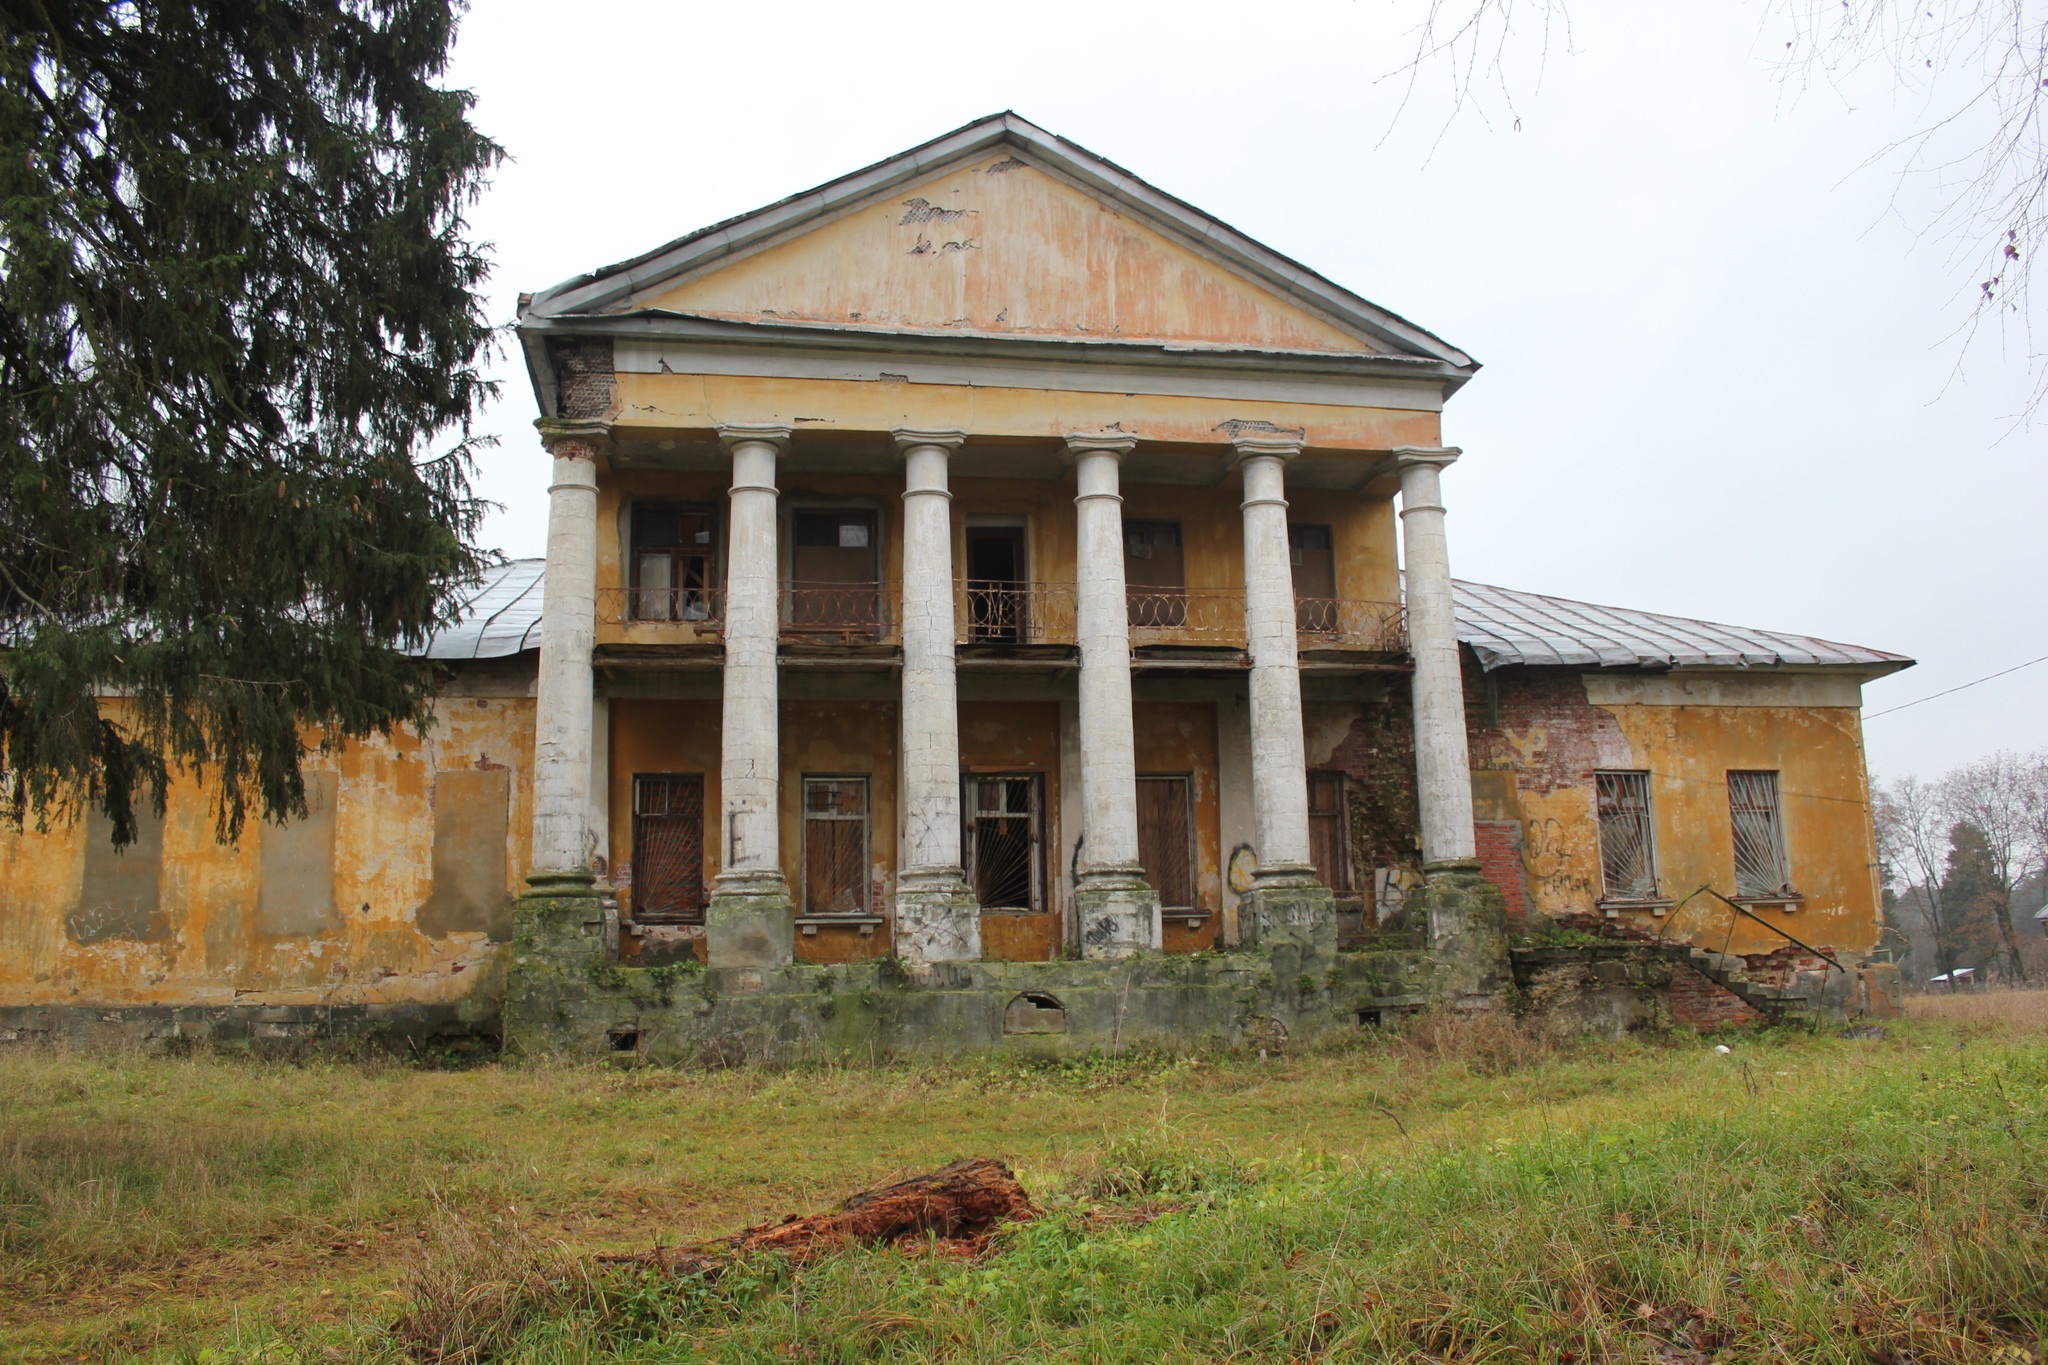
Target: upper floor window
[(1628, 845), (1762, 871), (835, 572), (1155, 573), (1314, 564), (675, 554)]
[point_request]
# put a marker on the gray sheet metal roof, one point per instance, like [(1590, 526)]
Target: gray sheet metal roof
[(1505, 627), (501, 617)]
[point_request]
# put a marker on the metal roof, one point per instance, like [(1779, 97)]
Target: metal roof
[(1503, 627), (501, 616), (1506, 627)]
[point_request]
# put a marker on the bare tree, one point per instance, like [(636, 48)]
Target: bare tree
[(1979, 66), (1912, 846), (2000, 795)]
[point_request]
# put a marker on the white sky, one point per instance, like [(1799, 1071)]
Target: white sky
[(1719, 380)]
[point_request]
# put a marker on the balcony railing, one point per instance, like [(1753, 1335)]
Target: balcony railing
[(996, 612), (1346, 623), (1185, 615), (700, 612), (835, 613)]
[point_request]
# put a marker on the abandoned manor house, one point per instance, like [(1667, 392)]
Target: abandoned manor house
[(990, 603)]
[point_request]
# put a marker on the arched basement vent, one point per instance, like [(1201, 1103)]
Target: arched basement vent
[(1035, 1012)]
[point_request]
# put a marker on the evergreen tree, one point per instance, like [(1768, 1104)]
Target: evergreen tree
[(240, 347), (1972, 899)]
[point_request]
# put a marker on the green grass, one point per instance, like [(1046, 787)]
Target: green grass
[(1458, 1194)]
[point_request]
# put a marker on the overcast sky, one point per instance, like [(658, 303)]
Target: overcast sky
[(1720, 375)]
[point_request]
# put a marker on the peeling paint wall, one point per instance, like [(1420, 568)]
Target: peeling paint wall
[(1001, 246), (1688, 732), (395, 888)]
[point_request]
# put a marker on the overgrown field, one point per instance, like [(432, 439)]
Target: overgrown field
[(1459, 1193)]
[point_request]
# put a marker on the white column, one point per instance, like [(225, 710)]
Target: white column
[(1279, 765), (562, 709), (749, 923), (1118, 912), (937, 918), (1443, 772)]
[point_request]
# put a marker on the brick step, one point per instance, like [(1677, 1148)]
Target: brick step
[(1725, 970)]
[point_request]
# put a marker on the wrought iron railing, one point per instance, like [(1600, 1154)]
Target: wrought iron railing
[(835, 612), (1347, 623), (1185, 615), (996, 612), (700, 611)]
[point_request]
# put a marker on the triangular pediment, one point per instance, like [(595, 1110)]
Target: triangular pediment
[(999, 229)]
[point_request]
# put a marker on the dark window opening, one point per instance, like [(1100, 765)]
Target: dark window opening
[(1035, 1012), (1004, 843), (675, 562), (1155, 574), (998, 597), (624, 1039), (1314, 564), (668, 848), (835, 845), (1166, 839), (1329, 831)]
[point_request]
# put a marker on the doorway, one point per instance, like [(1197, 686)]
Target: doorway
[(998, 593)]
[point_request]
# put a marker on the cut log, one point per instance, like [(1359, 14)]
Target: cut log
[(961, 1203)]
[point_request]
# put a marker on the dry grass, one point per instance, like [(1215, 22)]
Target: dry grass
[(154, 1205), (2007, 1012)]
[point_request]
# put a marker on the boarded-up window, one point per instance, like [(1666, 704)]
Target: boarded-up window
[(1003, 843), (1761, 867), (835, 845), (835, 574), (1314, 565), (1628, 845), (1166, 839), (1329, 831), (668, 848), (472, 824), (1155, 576), (119, 896), (675, 556), (295, 863)]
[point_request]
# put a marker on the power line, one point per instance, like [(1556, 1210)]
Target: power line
[(1959, 687)]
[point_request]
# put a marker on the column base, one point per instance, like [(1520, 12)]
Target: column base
[(938, 918), (1118, 912), (750, 922), (1468, 935), (557, 938), (1288, 906)]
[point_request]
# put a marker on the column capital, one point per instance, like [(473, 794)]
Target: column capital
[(1408, 457), (1279, 447), (1115, 443), (559, 434), (732, 434), (948, 439)]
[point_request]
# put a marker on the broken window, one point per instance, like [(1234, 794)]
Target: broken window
[(1329, 834), (1155, 577), (1762, 870), (835, 845), (998, 597), (668, 848), (1003, 862), (675, 552), (1314, 565), (1628, 847), (1166, 838), (835, 572)]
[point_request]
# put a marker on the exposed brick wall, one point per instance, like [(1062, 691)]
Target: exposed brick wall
[(1560, 737), (1705, 1004), (1500, 862), (584, 383)]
